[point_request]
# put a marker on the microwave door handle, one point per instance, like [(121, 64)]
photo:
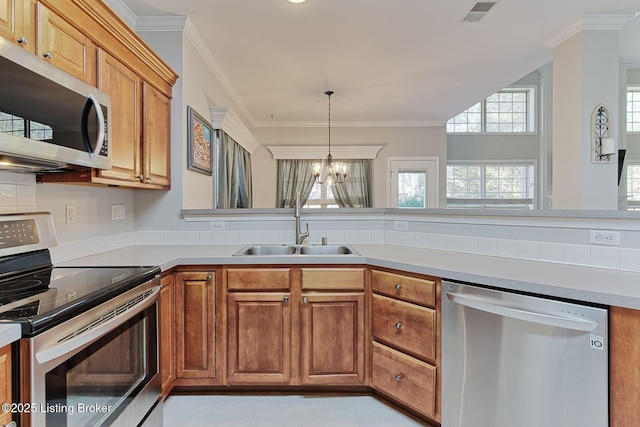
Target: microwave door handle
[(85, 338), (496, 307), (92, 101)]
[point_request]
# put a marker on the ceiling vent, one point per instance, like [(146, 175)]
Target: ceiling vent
[(478, 11)]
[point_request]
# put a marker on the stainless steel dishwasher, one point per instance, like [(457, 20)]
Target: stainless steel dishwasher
[(515, 360)]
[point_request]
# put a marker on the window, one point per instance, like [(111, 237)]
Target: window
[(507, 111), (633, 109), (509, 186), (413, 182), (321, 197), (15, 125), (633, 186)]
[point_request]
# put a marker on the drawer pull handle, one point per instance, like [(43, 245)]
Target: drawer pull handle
[(399, 325), (399, 377), (398, 287)]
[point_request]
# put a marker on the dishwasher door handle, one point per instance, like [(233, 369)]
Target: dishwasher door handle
[(516, 313)]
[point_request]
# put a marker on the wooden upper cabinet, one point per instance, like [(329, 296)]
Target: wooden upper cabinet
[(156, 137), (17, 22), (65, 46), (124, 87)]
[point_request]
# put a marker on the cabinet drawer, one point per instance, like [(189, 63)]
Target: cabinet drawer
[(408, 380), (332, 278), (412, 289), (239, 279), (405, 326)]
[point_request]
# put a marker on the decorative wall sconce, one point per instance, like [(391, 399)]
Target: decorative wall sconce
[(603, 147)]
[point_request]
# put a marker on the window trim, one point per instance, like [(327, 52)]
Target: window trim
[(532, 102)]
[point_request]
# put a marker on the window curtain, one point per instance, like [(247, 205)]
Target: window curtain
[(234, 175), (355, 192), (293, 175)]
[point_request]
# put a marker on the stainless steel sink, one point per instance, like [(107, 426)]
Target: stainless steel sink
[(262, 250), (327, 250), (267, 250)]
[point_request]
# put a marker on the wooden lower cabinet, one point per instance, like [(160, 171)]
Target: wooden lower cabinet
[(259, 338), (166, 322), (5, 383), (277, 334), (406, 340), (195, 308), (406, 379), (333, 338), (624, 375)]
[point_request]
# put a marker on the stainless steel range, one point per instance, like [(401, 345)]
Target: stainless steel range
[(88, 353)]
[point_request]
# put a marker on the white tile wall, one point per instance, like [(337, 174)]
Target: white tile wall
[(17, 192)]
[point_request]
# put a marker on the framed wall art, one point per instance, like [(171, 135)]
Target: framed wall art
[(199, 143)]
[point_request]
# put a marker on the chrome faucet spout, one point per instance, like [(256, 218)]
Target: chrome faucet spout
[(300, 235)]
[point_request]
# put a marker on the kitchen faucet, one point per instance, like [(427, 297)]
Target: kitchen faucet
[(300, 236)]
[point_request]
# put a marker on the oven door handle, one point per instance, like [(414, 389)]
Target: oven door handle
[(85, 338)]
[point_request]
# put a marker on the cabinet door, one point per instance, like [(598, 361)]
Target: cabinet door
[(5, 382), (195, 323), (259, 338), (333, 338), (123, 86), (17, 22), (166, 321), (65, 46), (156, 137)]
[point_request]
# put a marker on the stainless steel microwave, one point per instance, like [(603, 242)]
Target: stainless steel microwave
[(49, 119)]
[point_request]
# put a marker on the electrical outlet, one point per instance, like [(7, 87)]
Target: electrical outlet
[(70, 214), (604, 237), (117, 212), (217, 226), (400, 225)]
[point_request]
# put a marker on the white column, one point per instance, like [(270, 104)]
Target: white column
[(585, 75)]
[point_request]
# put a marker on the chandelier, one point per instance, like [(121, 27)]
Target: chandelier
[(329, 172)]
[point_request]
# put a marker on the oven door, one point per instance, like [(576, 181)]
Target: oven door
[(100, 368)]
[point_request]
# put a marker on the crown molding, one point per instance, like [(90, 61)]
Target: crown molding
[(161, 23), (123, 11), (225, 119), (590, 22), (320, 151), (354, 124)]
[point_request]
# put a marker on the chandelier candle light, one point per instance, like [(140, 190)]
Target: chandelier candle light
[(329, 172)]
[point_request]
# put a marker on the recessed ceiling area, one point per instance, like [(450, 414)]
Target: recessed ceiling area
[(404, 62)]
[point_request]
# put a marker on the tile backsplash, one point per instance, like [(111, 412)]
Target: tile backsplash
[(17, 192)]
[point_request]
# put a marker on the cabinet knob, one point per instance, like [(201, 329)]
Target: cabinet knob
[(140, 178), (285, 299), (398, 286), (148, 179), (48, 55), (209, 277), (23, 40), (305, 300), (398, 377), (399, 325)]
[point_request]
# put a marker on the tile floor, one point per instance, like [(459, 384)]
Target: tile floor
[(281, 411)]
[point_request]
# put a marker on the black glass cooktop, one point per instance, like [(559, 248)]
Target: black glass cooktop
[(40, 299)]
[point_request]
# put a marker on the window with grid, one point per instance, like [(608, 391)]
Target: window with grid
[(633, 186), (507, 186), (15, 125), (507, 111), (633, 109), (321, 197)]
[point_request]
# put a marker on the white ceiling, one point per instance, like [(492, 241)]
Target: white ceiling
[(390, 62)]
